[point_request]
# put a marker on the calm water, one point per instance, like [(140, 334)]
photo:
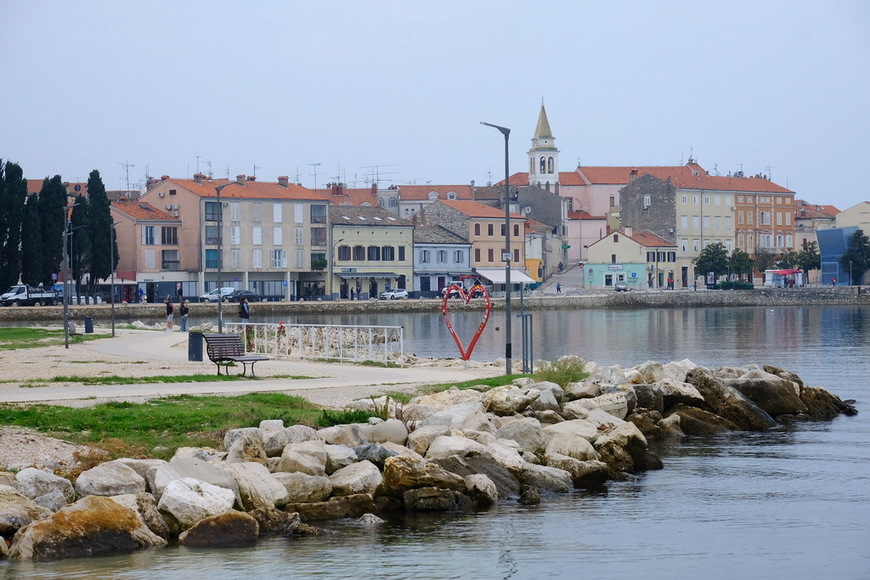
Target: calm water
[(790, 503)]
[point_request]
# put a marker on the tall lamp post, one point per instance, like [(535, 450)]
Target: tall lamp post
[(220, 297), (112, 264), (507, 247)]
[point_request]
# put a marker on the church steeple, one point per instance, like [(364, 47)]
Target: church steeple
[(543, 156)]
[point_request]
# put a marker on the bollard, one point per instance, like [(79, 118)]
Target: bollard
[(194, 346), (89, 325)]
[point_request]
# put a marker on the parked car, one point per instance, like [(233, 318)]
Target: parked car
[(212, 295), (454, 293), (395, 294), (237, 295), (621, 286)]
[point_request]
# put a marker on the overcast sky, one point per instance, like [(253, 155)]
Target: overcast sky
[(350, 89)]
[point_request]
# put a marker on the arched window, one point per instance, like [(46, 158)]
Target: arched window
[(543, 165), (516, 230), (451, 195), (393, 202), (550, 163), (489, 230), (501, 230), (531, 165), (433, 195), (476, 229)]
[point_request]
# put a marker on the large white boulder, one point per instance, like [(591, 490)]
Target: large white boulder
[(187, 467), (191, 500), (390, 430), (302, 487), (257, 487), (526, 431), (420, 438), (361, 477), (109, 478), (33, 483), (448, 445)]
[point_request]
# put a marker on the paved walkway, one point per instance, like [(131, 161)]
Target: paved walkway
[(332, 385)]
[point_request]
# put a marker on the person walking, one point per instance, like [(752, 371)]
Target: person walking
[(170, 313), (244, 309), (558, 287), (185, 311)]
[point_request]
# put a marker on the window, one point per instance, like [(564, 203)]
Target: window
[(706, 200), (490, 230), (694, 200), (318, 236), (477, 255), (401, 253), (169, 260), (707, 222), (550, 164), (299, 235), (276, 213), (748, 199), (543, 166), (717, 223), (169, 236), (235, 258), (212, 235), (779, 218), (277, 235), (476, 229), (788, 220), (257, 212), (650, 257), (318, 260), (344, 253), (318, 214), (236, 235), (298, 213), (149, 259), (612, 201), (235, 211), (359, 253), (685, 199), (257, 258), (300, 258), (432, 195), (442, 256), (490, 255), (516, 255), (696, 245), (616, 238), (212, 258), (684, 221), (451, 195), (684, 244), (501, 230), (647, 201), (749, 217), (374, 254), (516, 230), (764, 218), (740, 217), (612, 258), (278, 259), (388, 254), (171, 191), (672, 256), (257, 235), (739, 199), (458, 255), (696, 222), (148, 235)]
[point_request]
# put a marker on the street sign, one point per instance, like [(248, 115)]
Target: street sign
[(506, 257)]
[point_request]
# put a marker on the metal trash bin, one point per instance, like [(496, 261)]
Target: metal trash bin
[(194, 346), (89, 325)]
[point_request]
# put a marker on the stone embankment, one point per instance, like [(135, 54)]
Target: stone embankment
[(458, 450), (827, 295)]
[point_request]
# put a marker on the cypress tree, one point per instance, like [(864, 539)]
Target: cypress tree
[(13, 193), (52, 206), (99, 231), (31, 243), (80, 252)]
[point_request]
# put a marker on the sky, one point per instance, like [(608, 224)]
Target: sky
[(351, 91)]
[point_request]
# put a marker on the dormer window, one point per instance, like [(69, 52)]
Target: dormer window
[(433, 195)]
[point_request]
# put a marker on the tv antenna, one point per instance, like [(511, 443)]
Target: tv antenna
[(127, 167), (375, 172), (315, 165), (256, 167)]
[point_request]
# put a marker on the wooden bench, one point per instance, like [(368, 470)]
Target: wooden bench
[(228, 348)]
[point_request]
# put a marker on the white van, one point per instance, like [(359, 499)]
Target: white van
[(212, 295)]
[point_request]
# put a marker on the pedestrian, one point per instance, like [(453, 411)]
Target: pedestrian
[(185, 311), (558, 288), (141, 295), (244, 309), (170, 313), (561, 267), (351, 292)]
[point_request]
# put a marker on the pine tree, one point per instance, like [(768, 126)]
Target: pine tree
[(80, 242), (52, 206), (99, 230), (31, 243), (13, 193)]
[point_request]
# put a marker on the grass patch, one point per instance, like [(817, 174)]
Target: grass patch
[(116, 380), (568, 369), (136, 429), (14, 338), (496, 381)]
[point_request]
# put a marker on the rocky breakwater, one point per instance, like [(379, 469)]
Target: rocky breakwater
[(457, 450)]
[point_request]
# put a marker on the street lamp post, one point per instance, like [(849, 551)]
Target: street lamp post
[(112, 265), (220, 296), (507, 246)]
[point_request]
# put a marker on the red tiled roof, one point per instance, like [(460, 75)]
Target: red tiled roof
[(690, 176), (421, 192), (804, 210), (358, 196), (648, 239), (477, 209), (142, 211), (582, 215), (247, 189)]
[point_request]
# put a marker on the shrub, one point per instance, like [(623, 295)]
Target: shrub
[(736, 285), (567, 369)]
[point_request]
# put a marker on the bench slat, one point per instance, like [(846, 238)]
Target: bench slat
[(225, 348)]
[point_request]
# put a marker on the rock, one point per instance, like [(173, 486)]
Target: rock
[(622, 448), (776, 395), (571, 446), (505, 482), (109, 478), (351, 435), (547, 479), (729, 403), (206, 454), (17, 511), (821, 405), (647, 421), (274, 437), (145, 506), (53, 500), (302, 487), (350, 506), (190, 500), (370, 520), (645, 373), (650, 397), (446, 446), (449, 398), (247, 448), (477, 421), (399, 450), (8, 479), (574, 428), (233, 435), (582, 390), (257, 487), (527, 432), (529, 495), (591, 474), (179, 468), (420, 438), (507, 400), (546, 401), (32, 483), (374, 452), (141, 466), (670, 427), (674, 393), (676, 371), (481, 490), (93, 526), (363, 477), (695, 421), (403, 473), (432, 499), (338, 456), (548, 387), (233, 529), (308, 457), (275, 522), (390, 430), (300, 434), (452, 417)]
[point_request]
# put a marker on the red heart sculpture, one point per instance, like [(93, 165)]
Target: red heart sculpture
[(466, 296)]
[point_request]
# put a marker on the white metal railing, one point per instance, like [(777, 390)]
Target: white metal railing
[(326, 341)]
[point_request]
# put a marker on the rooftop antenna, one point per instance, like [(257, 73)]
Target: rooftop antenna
[(256, 167), (376, 172), (296, 177), (209, 168), (127, 167), (768, 167), (197, 163), (315, 165), (228, 170)]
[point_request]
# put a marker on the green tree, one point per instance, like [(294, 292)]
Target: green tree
[(764, 260), (13, 193), (809, 258), (80, 242), (787, 260), (856, 259), (713, 258), (741, 263), (99, 231), (52, 207), (31, 243)]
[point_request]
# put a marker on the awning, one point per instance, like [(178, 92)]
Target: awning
[(497, 276), (368, 275)]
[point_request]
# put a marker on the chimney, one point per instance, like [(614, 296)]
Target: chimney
[(632, 177), (198, 177), (337, 188), (283, 181), (628, 232), (252, 178), (374, 188), (240, 178), (164, 177)]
